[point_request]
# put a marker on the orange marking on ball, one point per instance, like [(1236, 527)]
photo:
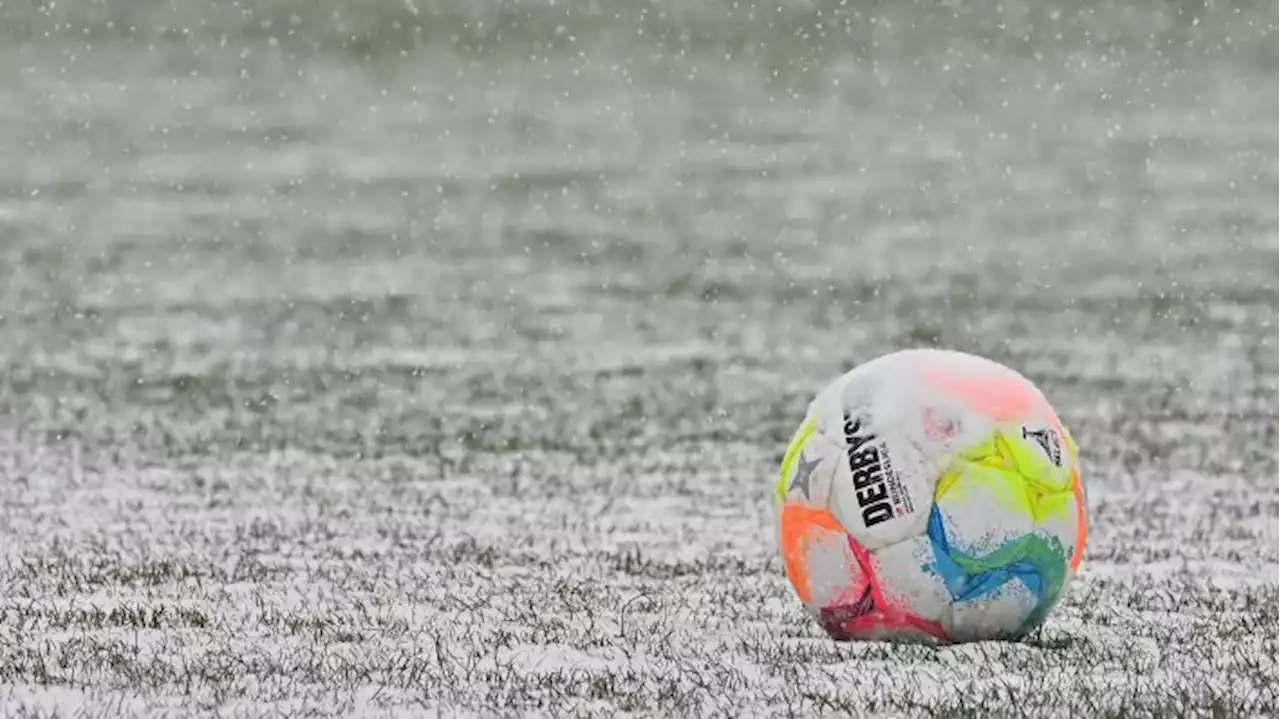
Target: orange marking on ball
[(801, 526)]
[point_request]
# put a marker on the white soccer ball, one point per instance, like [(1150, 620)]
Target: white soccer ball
[(934, 495)]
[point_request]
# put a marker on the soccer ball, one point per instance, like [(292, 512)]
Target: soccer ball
[(930, 495)]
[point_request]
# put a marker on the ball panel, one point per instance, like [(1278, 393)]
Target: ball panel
[(982, 508), (828, 408), (986, 387), (788, 467), (816, 555), (1081, 494), (907, 580), (807, 468), (900, 406), (1059, 518), (1082, 521), (999, 613), (882, 489), (1036, 561), (873, 614)]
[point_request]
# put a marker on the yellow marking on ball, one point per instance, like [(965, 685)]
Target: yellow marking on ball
[(789, 459)]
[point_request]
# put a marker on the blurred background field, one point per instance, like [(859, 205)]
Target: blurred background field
[(390, 356)]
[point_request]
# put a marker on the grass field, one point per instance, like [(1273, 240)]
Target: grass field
[(407, 362)]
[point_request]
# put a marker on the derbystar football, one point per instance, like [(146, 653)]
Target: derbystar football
[(933, 495)]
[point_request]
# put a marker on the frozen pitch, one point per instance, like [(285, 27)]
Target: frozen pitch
[(414, 361)]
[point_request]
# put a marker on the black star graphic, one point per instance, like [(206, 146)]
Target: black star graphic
[(803, 473)]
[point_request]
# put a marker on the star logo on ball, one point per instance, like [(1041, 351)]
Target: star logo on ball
[(803, 472)]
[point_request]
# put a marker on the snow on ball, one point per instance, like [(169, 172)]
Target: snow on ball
[(930, 494)]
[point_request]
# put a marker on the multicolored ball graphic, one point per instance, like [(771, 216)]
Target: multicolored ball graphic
[(931, 495)]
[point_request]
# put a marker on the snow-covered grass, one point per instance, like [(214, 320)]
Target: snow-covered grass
[(555, 582), (439, 369)]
